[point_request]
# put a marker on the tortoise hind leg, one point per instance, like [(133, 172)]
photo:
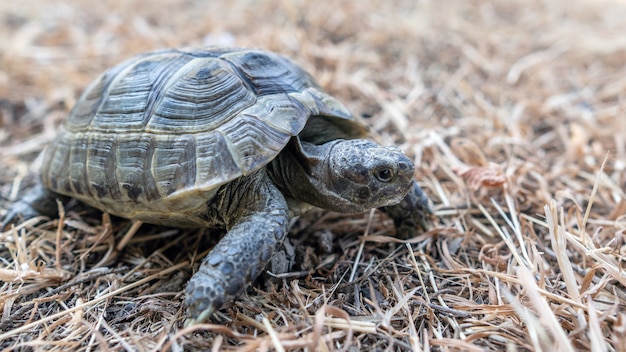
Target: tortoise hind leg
[(411, 214), (37, 201), (257, 215)]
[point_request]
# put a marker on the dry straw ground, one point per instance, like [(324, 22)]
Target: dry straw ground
[(514, 111)]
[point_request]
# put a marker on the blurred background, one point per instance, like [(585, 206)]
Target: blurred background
[(499, 103)]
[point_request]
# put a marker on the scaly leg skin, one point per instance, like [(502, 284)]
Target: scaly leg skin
[(411, 214), (37, 201), (258, 228)]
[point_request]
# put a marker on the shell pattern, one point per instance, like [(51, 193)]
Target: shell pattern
[(162, 131)]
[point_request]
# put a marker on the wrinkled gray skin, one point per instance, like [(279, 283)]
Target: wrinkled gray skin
[(119, 152), (348, 176)]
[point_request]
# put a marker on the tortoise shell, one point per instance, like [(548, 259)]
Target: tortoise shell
[(161, 132)]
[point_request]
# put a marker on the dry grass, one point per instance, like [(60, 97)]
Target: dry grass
[(514, 111)]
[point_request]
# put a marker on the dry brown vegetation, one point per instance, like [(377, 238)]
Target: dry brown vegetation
[(514, 111)]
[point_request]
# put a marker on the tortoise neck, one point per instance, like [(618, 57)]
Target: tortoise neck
[(297, 169), (302, 172)]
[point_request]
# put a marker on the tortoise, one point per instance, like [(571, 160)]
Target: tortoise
[(239, 139)]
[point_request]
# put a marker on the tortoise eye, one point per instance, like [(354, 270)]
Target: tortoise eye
[(384, 175)]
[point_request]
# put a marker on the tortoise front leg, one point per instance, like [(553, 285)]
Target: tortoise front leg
[(411, 214), (258, 229)]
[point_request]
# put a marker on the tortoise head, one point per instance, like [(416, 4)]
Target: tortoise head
[(347, 176), (366, 175)]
